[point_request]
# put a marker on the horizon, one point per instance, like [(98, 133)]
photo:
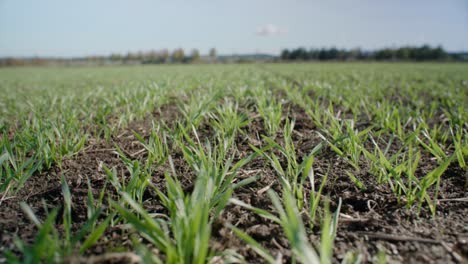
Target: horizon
[(187, 53), (55, 29)]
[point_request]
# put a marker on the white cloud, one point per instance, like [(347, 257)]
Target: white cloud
[(270, 30)]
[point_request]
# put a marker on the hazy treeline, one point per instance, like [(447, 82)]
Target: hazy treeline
[(408, 53), (140, 57), (164, 56)]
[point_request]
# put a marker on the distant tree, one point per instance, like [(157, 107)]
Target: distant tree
[(313, 54), (178, 55), (385, 54), (354, 54), (285, 54), (127, 56), (295, 54), (439, 53), (115, 57), (152, 56), (342, 54), (164, 55), (299, 54), (14, 62), (403, 53), (213, 54), (333, 54), (323, 54), (140, 55), (195, 55), (303, 54)]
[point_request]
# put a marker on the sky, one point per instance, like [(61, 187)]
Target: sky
[(101, 27)]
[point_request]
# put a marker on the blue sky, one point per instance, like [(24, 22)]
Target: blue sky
[(100, 27)]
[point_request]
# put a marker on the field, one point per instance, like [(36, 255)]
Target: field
[(260, 163)]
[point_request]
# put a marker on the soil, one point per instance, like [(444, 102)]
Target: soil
[(371, 220)]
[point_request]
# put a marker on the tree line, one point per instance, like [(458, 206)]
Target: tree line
[(163, 56), (140, 57), (407, 53)]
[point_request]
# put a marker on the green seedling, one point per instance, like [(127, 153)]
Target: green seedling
[(291, 222)]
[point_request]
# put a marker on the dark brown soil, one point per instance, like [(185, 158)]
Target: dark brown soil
[(371, 220)]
